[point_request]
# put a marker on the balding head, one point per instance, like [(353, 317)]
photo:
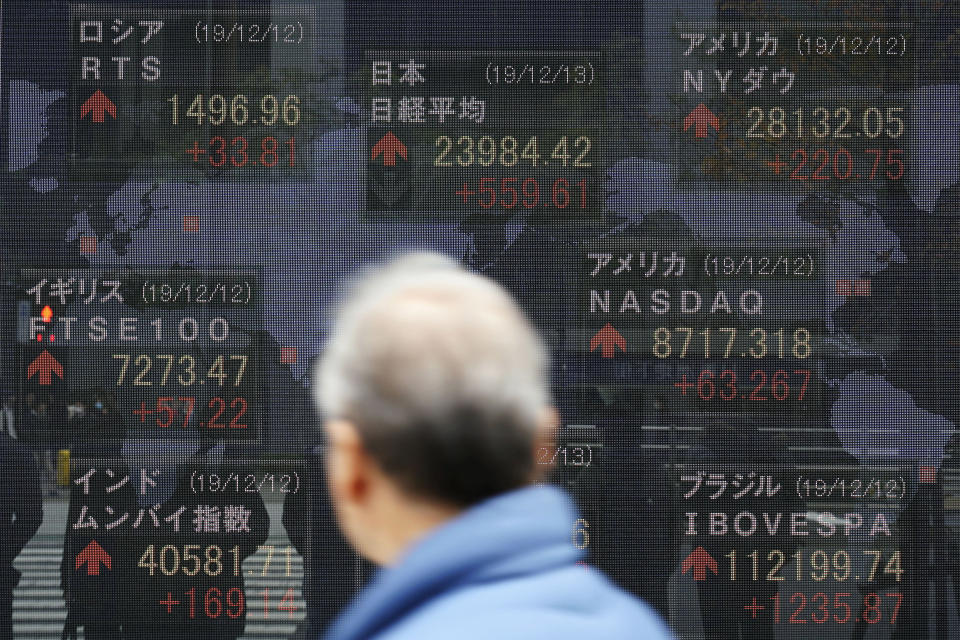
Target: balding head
[(442, 376)]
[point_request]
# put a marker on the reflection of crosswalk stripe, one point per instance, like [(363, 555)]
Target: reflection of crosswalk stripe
[(39, 610)]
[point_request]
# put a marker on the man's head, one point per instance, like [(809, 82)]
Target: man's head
[(433, 388)]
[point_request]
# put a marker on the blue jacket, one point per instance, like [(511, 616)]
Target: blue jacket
[(505, 569)]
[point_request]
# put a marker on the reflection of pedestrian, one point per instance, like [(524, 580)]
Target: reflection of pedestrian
[(330, 566), (928, 549), (94, 601), (20, 515), (639, 551), (727, 448), (29, 434), (488, 239), (8, 413), (76, 421), (39, 428), (213, 532), (103, 419)]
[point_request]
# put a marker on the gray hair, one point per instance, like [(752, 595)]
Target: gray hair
[(442, 375)]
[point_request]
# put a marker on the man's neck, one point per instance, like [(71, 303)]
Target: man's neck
[(407, 521)]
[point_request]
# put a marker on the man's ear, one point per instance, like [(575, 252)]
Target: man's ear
[(546, 437), (348, 462)]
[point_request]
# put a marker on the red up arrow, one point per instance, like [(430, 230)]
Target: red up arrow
[(702, 119), (93, 554), (389, 146), (608, 338), (45, 364), (700, 560), (99, 104)]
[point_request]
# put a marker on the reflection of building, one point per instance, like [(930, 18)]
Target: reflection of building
[(290, 423), (941, 265), (943, 228)]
